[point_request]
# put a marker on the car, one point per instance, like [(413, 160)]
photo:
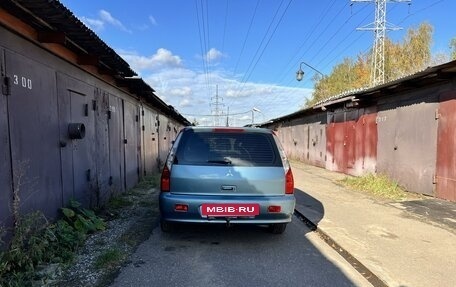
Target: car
[(227, 175)]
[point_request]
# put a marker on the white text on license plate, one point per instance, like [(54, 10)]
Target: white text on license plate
[(230, 209)]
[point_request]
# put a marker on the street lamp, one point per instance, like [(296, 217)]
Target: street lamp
[(300, 72), (253, 115)]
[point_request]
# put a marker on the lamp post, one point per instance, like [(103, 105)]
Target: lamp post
[(300, 72), (253, 115)]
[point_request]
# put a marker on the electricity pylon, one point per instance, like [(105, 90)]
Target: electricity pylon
[(217, 111), (379, 27)]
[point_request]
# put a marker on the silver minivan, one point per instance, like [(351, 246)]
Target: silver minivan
[(227, 175)]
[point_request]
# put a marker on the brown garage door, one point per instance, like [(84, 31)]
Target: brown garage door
[(446, 148)]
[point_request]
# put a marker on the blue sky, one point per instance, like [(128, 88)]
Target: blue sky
[(249, 49)]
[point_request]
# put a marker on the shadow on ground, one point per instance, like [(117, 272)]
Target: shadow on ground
[(440, 212), (239, 255), (309, 206)]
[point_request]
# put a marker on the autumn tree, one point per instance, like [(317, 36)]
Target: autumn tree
[(403, 58), (453, 48), (348, 75), (410, 56)]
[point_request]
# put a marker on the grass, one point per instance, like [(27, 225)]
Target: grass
[(128, 199), (379, 185), (149, 182), (37, 242), (118, 202), (109, 259)]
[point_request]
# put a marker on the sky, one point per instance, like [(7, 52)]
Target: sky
[(236, 60)]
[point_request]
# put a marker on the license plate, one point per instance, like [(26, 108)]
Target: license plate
[(230, 209)]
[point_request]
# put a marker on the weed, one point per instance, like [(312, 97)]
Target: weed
[(129, 238), (378, 185), (2, 233), (148, 182), (81, 219), (35, 241), (109, 259), (118, 202), (147, 203), (136, 192)]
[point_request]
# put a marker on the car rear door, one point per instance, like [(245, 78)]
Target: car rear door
[(227, 164)]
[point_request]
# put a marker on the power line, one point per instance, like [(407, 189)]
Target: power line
[(251, 68), (340, 11), (246, 37), (212, 115), (344, 40), (224, 26), (336, 45), (292, 62), (202, 46), (421, 10)]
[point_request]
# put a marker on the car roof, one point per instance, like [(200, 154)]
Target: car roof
[(230, 129)]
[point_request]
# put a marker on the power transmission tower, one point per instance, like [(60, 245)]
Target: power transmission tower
[(379, 27), (216, 105)]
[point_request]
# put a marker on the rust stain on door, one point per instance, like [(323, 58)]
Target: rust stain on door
[(446, 148), (351, 145)]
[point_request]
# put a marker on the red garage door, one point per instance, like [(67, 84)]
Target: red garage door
[(446, 148)]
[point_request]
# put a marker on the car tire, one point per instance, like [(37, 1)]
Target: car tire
[(278, 228), (166, 226)]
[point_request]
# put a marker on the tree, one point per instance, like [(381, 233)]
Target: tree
[(453, 48), (403, 58), (410, 56), (345, 76)]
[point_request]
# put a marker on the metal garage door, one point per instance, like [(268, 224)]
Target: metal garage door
[(34, 134), (446, 148), (76, 106)]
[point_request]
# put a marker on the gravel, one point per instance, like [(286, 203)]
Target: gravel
[(127, 226)]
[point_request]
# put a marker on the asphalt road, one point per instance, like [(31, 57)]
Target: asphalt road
[(214, 255)]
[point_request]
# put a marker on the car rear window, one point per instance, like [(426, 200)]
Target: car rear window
[(227, 148)]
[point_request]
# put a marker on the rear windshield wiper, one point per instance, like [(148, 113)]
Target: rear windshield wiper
[(220, 161)]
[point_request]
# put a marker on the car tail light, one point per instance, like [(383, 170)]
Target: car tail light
[(274, 208), (165, 179), (289, 182), (227, 130), (181, 207)]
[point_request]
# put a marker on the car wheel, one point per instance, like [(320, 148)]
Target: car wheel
[(278, 228), (166, 226)]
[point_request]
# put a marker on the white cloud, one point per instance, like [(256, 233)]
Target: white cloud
[(153, 21), (184, 91), (213, 55), (104, 18), (185, 103), (161, 59), (191, 92), (164, 56), (94, 24)]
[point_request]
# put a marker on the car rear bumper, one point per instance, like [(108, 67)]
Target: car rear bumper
[(194, 202)]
